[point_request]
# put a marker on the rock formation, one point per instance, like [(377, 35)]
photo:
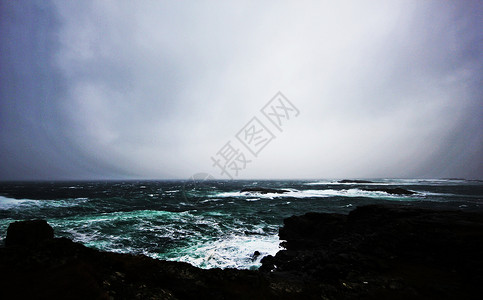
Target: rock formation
[(354, 181), (261, 190), (393, 191), (375, 252), (28, 233)]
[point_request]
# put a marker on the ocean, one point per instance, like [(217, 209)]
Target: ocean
[(211, 223)]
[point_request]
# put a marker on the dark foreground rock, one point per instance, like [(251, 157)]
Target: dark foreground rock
[(375, 252), (384, 252), (261, 190), (61, 269), (28, 232)]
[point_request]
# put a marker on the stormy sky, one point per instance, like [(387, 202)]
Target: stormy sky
[(158, 89)]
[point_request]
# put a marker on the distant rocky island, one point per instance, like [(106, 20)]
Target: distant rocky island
[(392, 191), (354, 181), (374, 252), (262, 190)]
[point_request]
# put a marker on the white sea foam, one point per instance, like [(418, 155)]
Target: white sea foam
[(234, 251), (253, 196), (93, 229), (364, 193), (230, 250), (324, 193), (8, 203), (324, 182), (210, 200), (11, 203)]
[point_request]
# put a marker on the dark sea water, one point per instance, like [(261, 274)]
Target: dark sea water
[(206, 223)]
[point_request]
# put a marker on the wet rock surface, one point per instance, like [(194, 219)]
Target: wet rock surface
[(28, 232), (384, 252), (393, 191), (354, 181), (261, 190), (61, 269), (375, 252)]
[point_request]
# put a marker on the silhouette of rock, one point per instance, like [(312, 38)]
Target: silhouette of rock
[(28, 232), (262, 190), (354, 181), (382, 252), (255, 255)]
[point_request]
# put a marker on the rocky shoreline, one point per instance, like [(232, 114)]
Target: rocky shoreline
[(375, 252)]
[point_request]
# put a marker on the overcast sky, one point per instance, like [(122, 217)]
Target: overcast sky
[(155, 89)]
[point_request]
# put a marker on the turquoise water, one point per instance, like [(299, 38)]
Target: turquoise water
[(206, 223)]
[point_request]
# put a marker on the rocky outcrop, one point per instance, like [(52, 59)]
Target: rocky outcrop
[(392, 191), (384, 252), (261, 190), (61, 269), (375, 252), (28, 232), (354, 181)]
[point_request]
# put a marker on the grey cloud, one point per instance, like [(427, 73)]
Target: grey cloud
[(98, 89)]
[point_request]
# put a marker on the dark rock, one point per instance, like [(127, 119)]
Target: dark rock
[(399, 251), (354, 181), (374, 252), (261, 190), (393, 191), (28, 232), (61, 269), (311, 230), (267, 263)]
